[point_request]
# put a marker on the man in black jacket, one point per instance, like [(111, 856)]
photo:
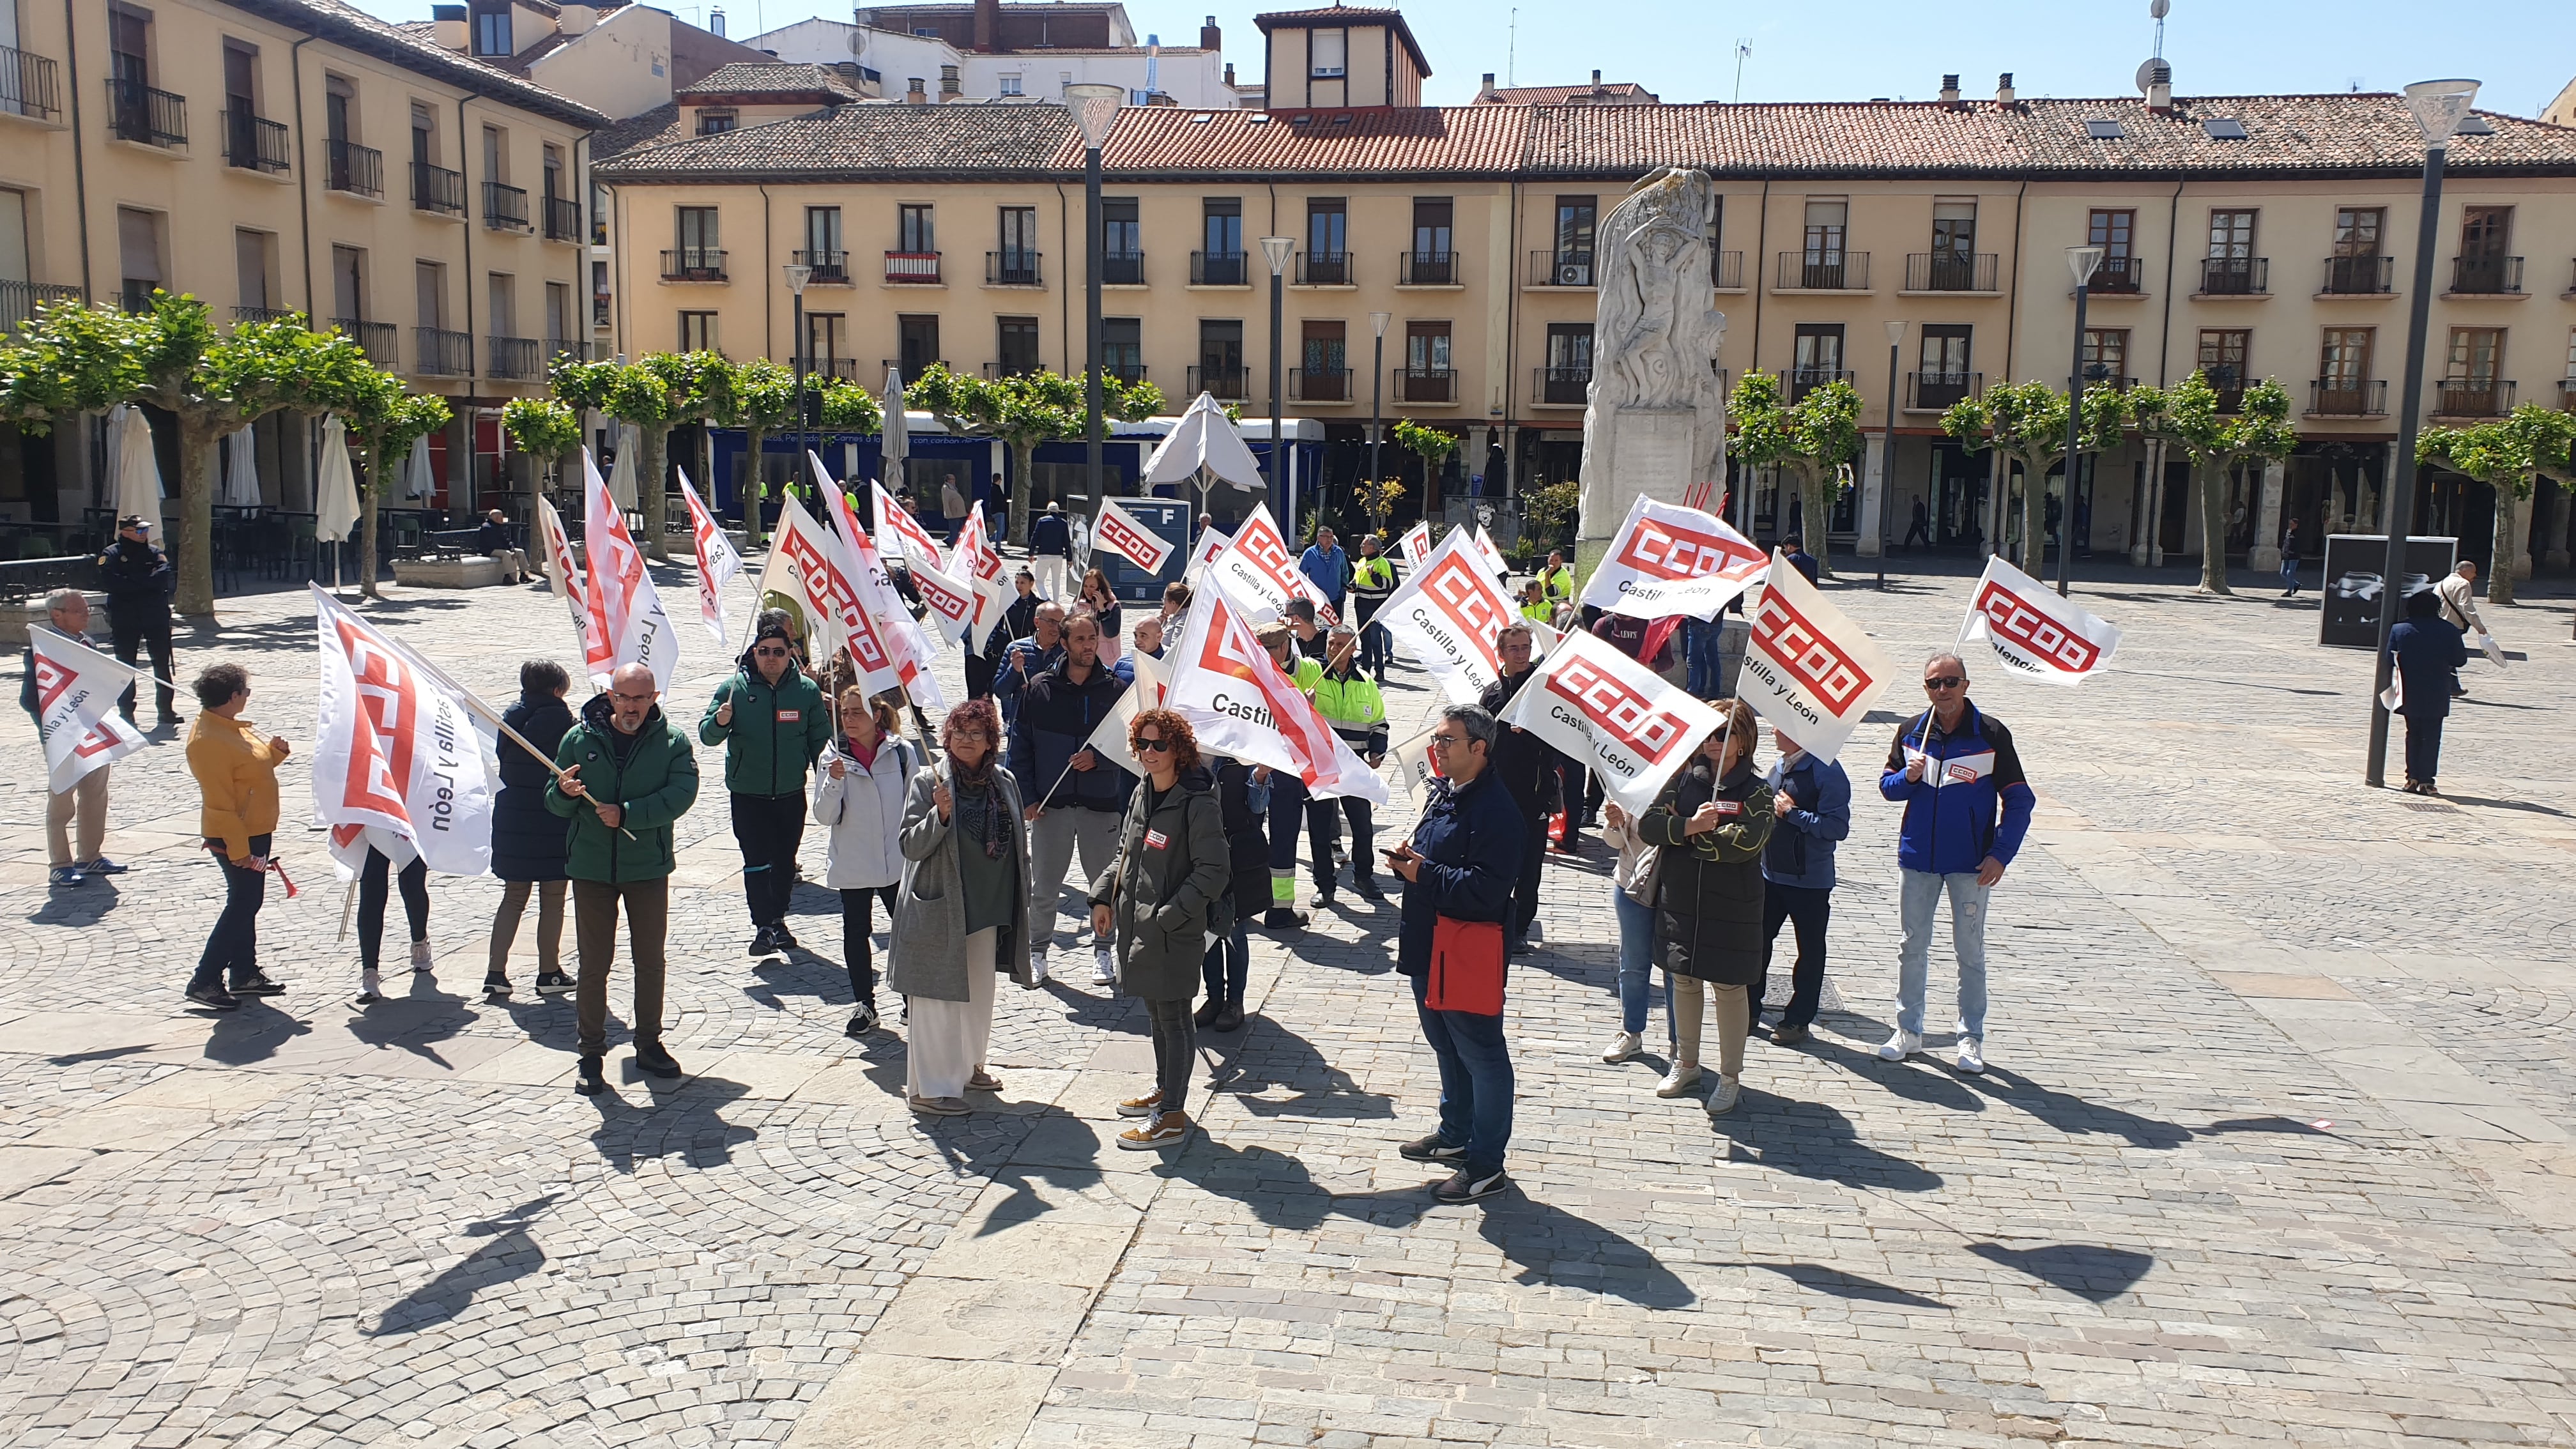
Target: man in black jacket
[(1528, 771), (138, 581), (1076, 797), (1051, 551)]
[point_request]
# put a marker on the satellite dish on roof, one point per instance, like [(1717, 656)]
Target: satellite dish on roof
[(2154, 70)]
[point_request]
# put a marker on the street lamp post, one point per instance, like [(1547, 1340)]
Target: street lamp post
[(1095, 110), (1276, 250), (798, 274), (1377, 389), (1887, 449), (2439, 107), (2083, 262)]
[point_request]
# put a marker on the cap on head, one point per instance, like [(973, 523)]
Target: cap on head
[(134, 521)]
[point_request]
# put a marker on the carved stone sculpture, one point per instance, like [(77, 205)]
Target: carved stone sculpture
[(1656, 419)]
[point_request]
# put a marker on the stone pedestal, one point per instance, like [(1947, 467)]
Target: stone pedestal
[(1649, 453), (1873, 501), (472, 571), (2265, 554)]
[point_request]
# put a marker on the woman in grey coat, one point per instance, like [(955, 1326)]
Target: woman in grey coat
[(962, 917), (1173, 870)]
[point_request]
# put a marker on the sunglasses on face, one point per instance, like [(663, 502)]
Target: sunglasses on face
[(769, 653), (1943, 681), (1153, 745)]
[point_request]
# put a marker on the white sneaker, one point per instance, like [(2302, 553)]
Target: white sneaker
[(1624, 1046), (1680, 1079), (1900, 1046), (1972, 1055), (420, 957), (371, 987), (1104, 967), (1723, 1100)]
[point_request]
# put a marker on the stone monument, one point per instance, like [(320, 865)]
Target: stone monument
[(1656, 420)]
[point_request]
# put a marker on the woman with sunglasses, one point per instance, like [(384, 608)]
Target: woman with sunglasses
[(1169, 887), (859, 787), (962, 915), (771, 720), (1711, 824)]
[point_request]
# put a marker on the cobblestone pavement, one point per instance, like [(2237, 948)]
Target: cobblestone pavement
[(2274, 1149)]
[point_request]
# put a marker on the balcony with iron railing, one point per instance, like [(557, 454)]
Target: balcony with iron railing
[(1220, 269), (20, 300), (378, 338), (1950, 271), (27, 85), (912, 269), (2486, 276), (514, 358), (999, 370), (1426, 386), (564, 349), (2473, 397), (1726, 269), (2120, 277), (599, 308), (1554, 268), (350, 167), (2348, 397), (1122, 269), (505, 208), (255, 143), (2359, 277), (1561, 387), (1012, 269), (1932, 392), (1319, 385), (435, 188), (1427, 269), (693, 264), (443, 353), (134, 297), (563, 219), (1823, 271), (823, 269), (1230, 384), (266, 314), (1322, 269), (912, 370), (1804, 380), (2235, 276), (136, 112), (844, 368)]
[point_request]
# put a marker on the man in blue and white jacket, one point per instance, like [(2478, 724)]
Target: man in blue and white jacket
[(1813, 799), (1967, 807)]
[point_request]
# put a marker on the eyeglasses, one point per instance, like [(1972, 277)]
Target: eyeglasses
[(1943, 681), (624, 698), (769, 653), (1448, 742), (964, 733), (1156, 745)]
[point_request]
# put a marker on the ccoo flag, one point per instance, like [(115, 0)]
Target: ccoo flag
[(75, 689), (397, 761), (1122, 533), (717, 561), (1808, 669), (1666, 559), (1450, 616), (1613, 715), (1225, 684), (2034, 630), (625, 609)]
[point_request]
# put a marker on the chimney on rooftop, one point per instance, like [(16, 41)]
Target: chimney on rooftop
[(715, 24), (1488, 94), (949, 89), (914, 93), (2160, 87), (2004, 89), (1229, 75), (447, 27), (1949, 90), (1211, 38), (988, 25)]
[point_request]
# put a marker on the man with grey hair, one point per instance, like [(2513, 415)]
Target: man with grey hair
[(68, 611), (1459, 864)]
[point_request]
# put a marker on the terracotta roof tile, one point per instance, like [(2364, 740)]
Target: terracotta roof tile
[(659, 126), (1621, 92), (864, 140), (750, 78), (1425, 140), (415, 48)]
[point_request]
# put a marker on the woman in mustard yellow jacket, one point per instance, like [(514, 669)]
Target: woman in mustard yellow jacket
[(237, 777)]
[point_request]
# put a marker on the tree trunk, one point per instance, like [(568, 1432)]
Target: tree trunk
[(654, 467), (2034, 517), (1816, 515), (2213, 527), (368, 492), (199, 447), (570, 477), (1024, 490), (747, 484), (2500, 569)]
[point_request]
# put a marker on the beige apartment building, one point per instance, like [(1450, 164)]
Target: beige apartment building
[(275, 156), (2251, 236)]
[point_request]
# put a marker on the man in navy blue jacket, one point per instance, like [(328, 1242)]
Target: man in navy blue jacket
[(1813, 800), (1967, 808), (1460, 862), (1075, 796), (2426, 650)]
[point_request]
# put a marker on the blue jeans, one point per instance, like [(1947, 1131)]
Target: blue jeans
[(232, 948), (1475, 1082), (1699, 642), (1636, 959), (2290, 573), (1922, 900)]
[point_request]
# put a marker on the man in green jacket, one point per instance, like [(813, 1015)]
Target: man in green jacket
[(773, 722), (626, 776), (1350, 702)]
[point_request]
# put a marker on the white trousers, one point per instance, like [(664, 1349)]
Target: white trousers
[(1052, 570), (945, 1041)]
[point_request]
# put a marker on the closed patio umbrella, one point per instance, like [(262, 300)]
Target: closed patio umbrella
[(241, 470), (418, 482), (138, 473), (335, 495), (621, 475)]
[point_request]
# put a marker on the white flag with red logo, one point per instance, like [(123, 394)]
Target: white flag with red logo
[(625, 609), (398, 763), (977, 564), (2034, 630), (1416, 543), (951, 602), (717, 561), (1449, 616), (1126, 535), (1667, 559), (1256, 567), (1613, 715), (1151, 684), (896, 522), (1241, 705), (1416, 763), (1211, 544), (899, 634), (563, 575), (1808, 668), (813, 567), (76, 692), (1493, 556)]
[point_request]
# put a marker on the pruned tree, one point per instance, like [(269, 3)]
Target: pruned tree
[(2510, 455), (2187, 416), (693, 387), (384, 420), (1431, 445), (1022, 411), (2025, 423), (1811, 439), (760, 400)]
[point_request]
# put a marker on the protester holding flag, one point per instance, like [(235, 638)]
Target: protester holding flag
[(1812, 799), (1711, 823), (1349, 700), (1527, 768), (859, 788), (1083, 793), (1458, 867), (1165, 890), (773, 724), (236, 774), (962, 916), (1372, 584), (67, 610), (1026, 658), (375, 882), (1147, 641), (1967, 807), (624, 777), (527, 841)]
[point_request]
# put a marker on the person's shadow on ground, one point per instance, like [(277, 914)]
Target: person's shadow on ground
[(680, 1120), (512, 1254)]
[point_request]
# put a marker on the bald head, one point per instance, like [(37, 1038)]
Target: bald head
[(631, 691)]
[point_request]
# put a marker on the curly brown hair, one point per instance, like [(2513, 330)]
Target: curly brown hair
[(1176, 730)]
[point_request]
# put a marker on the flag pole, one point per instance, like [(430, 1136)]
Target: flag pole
[(139, 672)]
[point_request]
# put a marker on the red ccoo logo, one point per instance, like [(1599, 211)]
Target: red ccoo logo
[(1137, 546), (1608, 702), (1660, 550), (1467, 596), (1808, 654), (2036, 632)]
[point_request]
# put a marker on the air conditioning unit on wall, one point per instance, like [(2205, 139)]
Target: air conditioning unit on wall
[(1573, 274)]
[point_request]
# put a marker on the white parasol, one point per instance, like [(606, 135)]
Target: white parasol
[(895, 444), (1204, 438), (138, 474), (335, 495), (621, 476), (241, 470), (417, 480)]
